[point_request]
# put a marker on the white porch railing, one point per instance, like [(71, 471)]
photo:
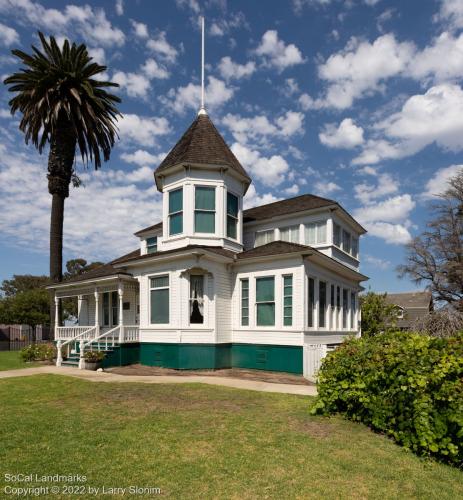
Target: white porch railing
[(72, 332), (81, 333)]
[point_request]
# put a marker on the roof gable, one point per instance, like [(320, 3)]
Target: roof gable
[(203, 144)]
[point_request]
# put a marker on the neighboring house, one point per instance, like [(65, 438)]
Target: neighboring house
[(215, 286), (411, 306)]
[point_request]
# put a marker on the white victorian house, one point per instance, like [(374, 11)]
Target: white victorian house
[(215, 286)]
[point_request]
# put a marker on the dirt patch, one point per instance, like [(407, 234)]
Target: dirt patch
[(258, 375)]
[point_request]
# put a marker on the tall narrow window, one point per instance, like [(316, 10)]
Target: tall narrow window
[(346, 241), (176, 211), (288, 300), (159, 297), (333, 308), (245, 302), (106, 309), (264, 237), (196, 299), (232, 215), (355, 247), (114, 308), (265, 301), (321, 304), (311, 303), (290, 233), (204, 209), (345, 306), (152, 244), (337, 235), (338, 305), (353, 310)]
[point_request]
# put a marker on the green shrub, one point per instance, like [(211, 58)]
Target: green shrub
[(408, 386), (38, 352), (94, 356)]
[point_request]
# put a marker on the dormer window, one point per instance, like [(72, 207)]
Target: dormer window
[(204, 209), (290, 233), (176, 212), (315, 232), (152, 244), (264, 237), (232, 215)]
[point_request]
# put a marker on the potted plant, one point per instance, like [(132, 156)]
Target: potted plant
[(93, 360)]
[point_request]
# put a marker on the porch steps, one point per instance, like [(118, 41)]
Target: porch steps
[(74, 358)]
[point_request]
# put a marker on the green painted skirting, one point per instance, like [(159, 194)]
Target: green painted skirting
[(125, 354), (215, 356)]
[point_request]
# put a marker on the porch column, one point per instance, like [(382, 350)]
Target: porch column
[(56, 315), (97, 311), (120, 291)]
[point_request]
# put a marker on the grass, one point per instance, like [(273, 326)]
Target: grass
[(10, 360), (199, 441)]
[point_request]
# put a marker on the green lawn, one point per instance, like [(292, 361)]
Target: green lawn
[(9, 360), (199, 441)]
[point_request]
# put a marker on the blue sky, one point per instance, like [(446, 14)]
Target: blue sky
[(358, 100)]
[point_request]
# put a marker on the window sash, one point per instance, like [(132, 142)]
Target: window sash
[(106, 316), (196, 299), (205, 198), (204, 221), (346, 241), (175, 201), (232, 226), (337, 235), (265, 301), (288, 300), (159, 299), (245, 302), (315, 233), (344, 307), (232, 205), (266, 314), (264, 237), (311, 303), (176, 223), (355, 247), (353, 309), (321, 304), (152, 244), (290, 233), (114, 308)]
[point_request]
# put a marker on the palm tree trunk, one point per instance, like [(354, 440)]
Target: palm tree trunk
[(60, 169)]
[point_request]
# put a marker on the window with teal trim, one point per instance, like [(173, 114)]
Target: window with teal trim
[(288, 300), (152, 244), (245, 302), (159, 298), (232, 215), (265, 301), (204, 209), (176, 211)]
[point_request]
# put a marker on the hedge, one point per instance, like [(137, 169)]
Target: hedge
[(406, 385)]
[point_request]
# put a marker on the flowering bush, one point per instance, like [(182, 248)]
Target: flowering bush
[(409, 386), (94, 356), (38, 352)]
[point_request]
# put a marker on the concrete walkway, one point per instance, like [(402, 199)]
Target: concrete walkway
[(91, 376)]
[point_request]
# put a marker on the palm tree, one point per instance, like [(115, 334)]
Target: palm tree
[(63, 105)]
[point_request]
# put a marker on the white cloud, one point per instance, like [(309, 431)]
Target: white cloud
[(252, 199), (433, 117), (140, 29), (276, 53), (451, 11), (231, 70), (193, 5), (91, 24), (292, 190), (347, 135), (376, 262), (160, 46), (119, 7), (8, 36), (439, 182), (142, 130), (306, 102), (259, 128), (366, 192), (183, 98), (135, 84), (388, 219), (141, 157), (98, 54), (325, 188), (361, 68), (153, 70), (441, 61), (270, 171), (221, 27), (112, 205)]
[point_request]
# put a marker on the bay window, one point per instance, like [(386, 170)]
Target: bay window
[(176, 211), (232, 216), (265, 301), (159, 299), (204, 209), (315, 232)]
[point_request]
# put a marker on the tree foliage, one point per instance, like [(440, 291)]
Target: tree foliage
[(377, 315), (436, 256), (22, 283)]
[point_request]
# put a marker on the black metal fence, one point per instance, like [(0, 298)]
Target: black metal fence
[(15, 337)]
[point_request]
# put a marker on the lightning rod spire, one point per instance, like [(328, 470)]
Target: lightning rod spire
[(202, 110)]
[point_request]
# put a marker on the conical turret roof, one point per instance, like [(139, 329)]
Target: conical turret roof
[(202, 144)]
